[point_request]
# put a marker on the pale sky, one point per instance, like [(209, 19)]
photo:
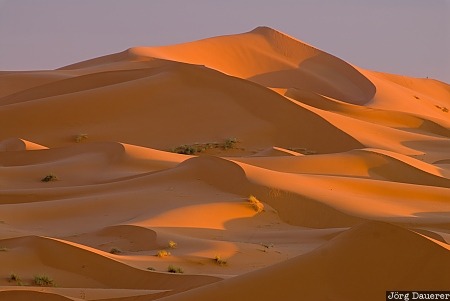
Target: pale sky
[(409, 37)]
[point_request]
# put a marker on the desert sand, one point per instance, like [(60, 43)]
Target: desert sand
[(255, 165)]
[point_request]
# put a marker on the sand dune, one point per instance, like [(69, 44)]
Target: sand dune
[(13, 82), (327, 272), (27, 295), (152, 103), (260, 166), (271, 59), (16, 144), (90, 269)]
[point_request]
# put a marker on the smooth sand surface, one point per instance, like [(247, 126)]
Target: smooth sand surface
[(298, 175)]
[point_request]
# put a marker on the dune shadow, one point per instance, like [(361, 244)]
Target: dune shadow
[(325, 75), (404, 173)]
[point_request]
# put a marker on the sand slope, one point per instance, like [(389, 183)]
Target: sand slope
[(331, 272), (106, 163)]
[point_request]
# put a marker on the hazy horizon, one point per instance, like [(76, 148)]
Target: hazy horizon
[(408, 37)]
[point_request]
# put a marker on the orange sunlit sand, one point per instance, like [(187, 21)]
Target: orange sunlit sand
[(242, 167)]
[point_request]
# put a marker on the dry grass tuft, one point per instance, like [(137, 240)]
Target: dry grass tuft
[(81, 137), (172, 244), (162, 253), (174, 269), (219, 260), (255, 203)]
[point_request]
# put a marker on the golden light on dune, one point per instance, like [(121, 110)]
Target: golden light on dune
[(251, 166)]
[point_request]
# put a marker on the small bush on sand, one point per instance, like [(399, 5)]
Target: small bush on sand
[(172, 244), (229, 143), (255, 203), (14, 277), (219, 260), (151, 269), (49, 178), (192, 149), (43, 280), (443, 109), (185, 149), (174, 269), (115, 251), (163, 253), (81, 137)]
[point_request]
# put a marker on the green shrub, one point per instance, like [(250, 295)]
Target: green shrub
[(14, 277), (192, 149), (43, 280), (185, 149), (174, 269), (229, 143)]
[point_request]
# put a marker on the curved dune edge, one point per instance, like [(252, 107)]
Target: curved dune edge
[(80, 166), (82, 266), (113, 152), (122, 237), (263, 55), (143, 102), (276, 152), (77, 84), (17, 144), (381, 116), (302, 199), (407, 166), (15, 81), (46, 293), (19, 295), (365, 163), (384, 249), (272, 59), (281, 192), (440, 91)]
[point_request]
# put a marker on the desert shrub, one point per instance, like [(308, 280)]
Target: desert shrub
[(14, 277), (185, 149), (303, 150), (163, 253), (81, 137), (174, 269), (151, 269), (115, 251), (172, 244), (49, 178), (43, 280), (255, 204), (229, 143), (192, 149), (219, 260), (267, 245), (443, 109)]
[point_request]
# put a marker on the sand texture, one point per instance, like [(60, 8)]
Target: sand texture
[(254, 166)]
